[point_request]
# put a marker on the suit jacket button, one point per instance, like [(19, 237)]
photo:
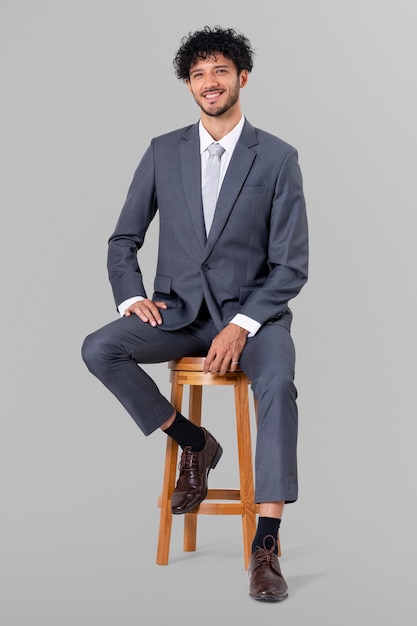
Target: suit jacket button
[(205, 268)]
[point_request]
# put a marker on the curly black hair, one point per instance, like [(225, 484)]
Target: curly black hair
[(205, 43)]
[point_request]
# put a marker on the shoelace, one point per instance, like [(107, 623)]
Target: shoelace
[(264, 554), (188, 459)]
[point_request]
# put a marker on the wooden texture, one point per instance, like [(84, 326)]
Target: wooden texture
[(189, 371)]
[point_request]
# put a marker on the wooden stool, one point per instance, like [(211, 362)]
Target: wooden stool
[(189, 371)]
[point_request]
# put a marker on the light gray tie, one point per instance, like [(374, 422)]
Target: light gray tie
[(211, 185)]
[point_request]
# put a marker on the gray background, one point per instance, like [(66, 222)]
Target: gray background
[(85, 86)]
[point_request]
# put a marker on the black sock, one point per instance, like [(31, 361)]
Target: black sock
[(266, 526), (185, 433)]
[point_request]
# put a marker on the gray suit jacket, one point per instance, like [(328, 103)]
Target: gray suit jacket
[(256, 256)]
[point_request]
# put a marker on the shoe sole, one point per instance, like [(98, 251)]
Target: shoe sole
[(265, 598)]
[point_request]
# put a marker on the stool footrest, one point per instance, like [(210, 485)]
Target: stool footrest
[(220, 508), (223, 494)]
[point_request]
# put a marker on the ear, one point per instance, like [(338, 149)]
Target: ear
[(188, 83), (243, 78)]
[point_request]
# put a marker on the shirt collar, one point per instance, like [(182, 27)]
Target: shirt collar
[(228, 142)]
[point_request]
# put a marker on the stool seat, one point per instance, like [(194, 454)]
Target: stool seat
[(189, 371)]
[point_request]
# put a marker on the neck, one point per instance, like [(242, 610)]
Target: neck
[(220, 126)]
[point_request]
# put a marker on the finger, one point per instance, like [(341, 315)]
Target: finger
[(210, 362), (234, 364), (154, 316), (218, 365), (207, 364), (146, 314), (154, 308), (224, 366)]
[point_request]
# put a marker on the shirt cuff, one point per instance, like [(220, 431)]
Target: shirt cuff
[(126, 304), (247, 323)]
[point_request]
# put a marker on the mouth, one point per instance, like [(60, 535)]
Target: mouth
[(212, 95)]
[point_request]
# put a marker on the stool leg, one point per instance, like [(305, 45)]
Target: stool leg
[(190, 519), (170, 470), (247, 492), (165, 520)]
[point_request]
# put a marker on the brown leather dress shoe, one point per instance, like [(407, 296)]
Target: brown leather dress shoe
[(266, 581), (191, 488)]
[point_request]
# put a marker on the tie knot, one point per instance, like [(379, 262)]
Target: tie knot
[(215, 149)]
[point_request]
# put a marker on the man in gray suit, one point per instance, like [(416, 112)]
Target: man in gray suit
[(222, 285)]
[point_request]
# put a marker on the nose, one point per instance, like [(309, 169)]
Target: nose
[(212, 80)]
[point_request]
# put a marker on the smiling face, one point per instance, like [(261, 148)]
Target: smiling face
[(215, 84)]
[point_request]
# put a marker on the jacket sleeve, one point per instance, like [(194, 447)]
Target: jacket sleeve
[(287, 246), (129, 234)]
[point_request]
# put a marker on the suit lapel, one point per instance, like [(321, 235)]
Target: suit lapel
[(190, 164), (239, 167)]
